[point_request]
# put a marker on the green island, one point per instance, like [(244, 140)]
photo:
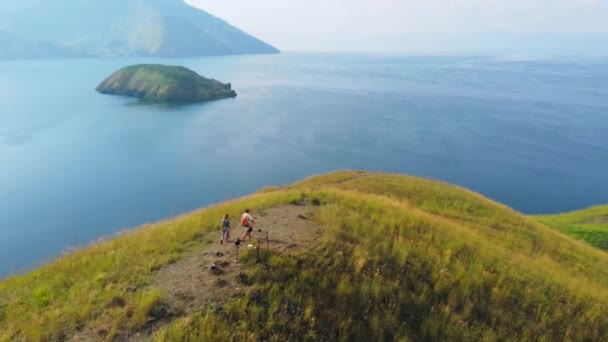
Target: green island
[(350, 256), (165, 83)]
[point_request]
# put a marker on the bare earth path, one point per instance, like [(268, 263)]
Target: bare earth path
[(191, 285), (600, 220)]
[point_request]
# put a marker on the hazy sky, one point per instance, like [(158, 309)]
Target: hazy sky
[(371, 24)]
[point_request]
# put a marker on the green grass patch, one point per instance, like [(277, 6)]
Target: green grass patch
[(589, 225)]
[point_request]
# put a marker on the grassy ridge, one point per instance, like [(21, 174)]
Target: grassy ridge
[(394, 268), (590, 225), (402, 259)]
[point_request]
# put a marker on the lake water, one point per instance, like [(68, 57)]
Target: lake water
[(76, 165)]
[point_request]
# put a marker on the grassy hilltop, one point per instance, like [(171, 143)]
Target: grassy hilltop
[(158, 82), (400, 258)]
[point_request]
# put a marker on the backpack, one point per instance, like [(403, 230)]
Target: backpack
[(244, 220)]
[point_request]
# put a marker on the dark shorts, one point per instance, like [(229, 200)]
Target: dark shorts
[(249, 229)]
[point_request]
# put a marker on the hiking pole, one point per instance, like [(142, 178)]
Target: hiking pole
[(258, 260), (237, 243)]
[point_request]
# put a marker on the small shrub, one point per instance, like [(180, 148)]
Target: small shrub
[(147, 308), (42, 296), (297, 198), (317, 198)]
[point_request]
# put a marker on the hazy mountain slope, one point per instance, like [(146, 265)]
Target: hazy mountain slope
[(400, 258), (13, 47), (128, 27)]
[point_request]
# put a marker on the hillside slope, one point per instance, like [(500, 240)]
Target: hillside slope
[(161, 28), (400, 258)]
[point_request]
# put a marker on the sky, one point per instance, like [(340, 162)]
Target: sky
[(344, 25)]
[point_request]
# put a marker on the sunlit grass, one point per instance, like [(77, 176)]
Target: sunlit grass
[(393, 267), (590, 225), (402, 258), (80, 290)]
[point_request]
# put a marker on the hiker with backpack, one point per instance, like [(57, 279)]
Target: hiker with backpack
[(225, 228), (246, 222)]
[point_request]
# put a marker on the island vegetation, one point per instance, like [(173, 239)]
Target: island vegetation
[(396, 258), (157, 82)]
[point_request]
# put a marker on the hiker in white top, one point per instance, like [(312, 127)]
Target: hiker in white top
[(247, 222)]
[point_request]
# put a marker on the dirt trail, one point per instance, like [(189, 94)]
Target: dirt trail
[(598, 220), (191, 284)]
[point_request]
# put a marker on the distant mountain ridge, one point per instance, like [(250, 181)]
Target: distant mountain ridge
[(156, 28)]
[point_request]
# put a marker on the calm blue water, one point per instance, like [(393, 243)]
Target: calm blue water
[(76, 165)]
